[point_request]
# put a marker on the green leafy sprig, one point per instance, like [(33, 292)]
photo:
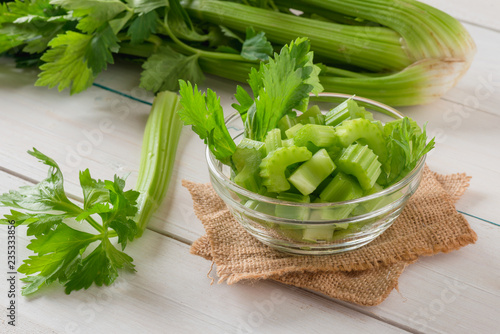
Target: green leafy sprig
[(55, 222)]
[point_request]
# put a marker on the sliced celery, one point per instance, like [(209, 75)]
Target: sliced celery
[(318, 135), (292, 212), (348, 109), (291, 132), (318, 233), (360, 161), (273, 140), (338, 114), (248, 150), (356, 111), (310, 174), (363, 129), (285, 123), (247, 158), (312, 116), (287, 142), (272, 168), (343, 187)]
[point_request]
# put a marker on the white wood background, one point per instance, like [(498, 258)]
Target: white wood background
[(171, 293)]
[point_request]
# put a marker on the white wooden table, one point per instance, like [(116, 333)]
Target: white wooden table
[(170, 293)]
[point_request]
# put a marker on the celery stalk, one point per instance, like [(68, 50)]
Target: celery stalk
[(373, 48), (159, 147)]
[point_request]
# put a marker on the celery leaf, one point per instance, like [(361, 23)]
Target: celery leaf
[(281, 85), (256, 46), (163, 69), (204, 113), (142, 27), (180, 23), (93, 13)]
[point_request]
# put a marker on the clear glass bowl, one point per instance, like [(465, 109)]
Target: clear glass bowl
[(304, 228)]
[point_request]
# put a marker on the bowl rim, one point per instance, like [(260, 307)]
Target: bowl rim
[(214, 170)]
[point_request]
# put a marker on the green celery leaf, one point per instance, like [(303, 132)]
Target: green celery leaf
[(126, 229), (229, 33), (15, 10), (165, 67), (33, 23), (281, 85), (180, 23), (93, 13), (146, 6), (94, 191), (245, 102), (58, 253), (38, 223), (65, 64), (98, 52), (124, 206), (219, 36), (142, 27), (256, 46), (406, 144), (45, 196), (8, 41), (204, 113), (99, 267)]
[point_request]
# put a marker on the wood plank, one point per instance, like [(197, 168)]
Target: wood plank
[(171, 291), (55, 121), (479, 89), (482, 12), (450, 293)]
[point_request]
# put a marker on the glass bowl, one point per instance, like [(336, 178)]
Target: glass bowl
[(304, 228)]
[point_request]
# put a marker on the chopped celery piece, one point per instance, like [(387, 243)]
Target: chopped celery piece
[(292, 212), (287, 142), (273, 140), (310, 174), (338, 114), (290, 133), (311, 112), (334, 152), (272, 167), (360, 161), (373, 204), (285, 123), (338, 213), (343, 187), (312, 116), (356, 111), (318, 135), (318, 120), (364, 130), (347, 110), (323, 184), (248, 150), (317, 233), (247, 158)]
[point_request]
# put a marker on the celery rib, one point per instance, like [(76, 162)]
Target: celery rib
[(161, 138)]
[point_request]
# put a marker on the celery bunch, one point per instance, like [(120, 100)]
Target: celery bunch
[(397, 52)]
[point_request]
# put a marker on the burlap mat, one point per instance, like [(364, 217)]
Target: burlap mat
[(429, 224)]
